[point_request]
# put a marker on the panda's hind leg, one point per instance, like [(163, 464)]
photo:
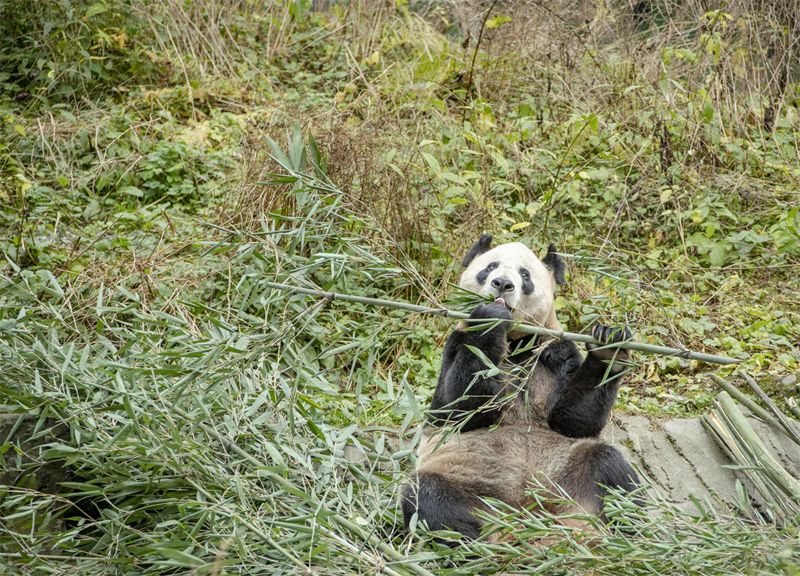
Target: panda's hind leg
[(441, 503), (591, 469)]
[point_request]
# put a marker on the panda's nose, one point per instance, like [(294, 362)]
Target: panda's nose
[(502, 285)]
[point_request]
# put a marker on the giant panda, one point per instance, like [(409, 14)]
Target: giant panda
[(491, 433)]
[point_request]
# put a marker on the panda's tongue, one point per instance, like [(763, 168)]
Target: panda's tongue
[(500, 301)]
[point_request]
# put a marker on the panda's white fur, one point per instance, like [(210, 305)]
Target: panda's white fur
[(536, 308)]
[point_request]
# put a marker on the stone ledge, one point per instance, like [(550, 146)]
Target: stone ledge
[(680, 458)]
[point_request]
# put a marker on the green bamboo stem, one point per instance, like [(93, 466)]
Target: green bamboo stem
[(524, 328), (774, 471), (747, 401), (788, 426), (717, 423)]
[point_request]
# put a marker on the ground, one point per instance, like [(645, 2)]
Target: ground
[(158, 166)]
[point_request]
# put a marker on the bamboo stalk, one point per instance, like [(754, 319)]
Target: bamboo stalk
[(774, 471), (789, 427), (524, 328), (725, 435), (747, 401)]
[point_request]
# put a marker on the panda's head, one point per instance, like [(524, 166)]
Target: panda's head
[(514, 273)]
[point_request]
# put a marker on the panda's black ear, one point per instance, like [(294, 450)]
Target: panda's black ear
[(482, 245), (556, 264)]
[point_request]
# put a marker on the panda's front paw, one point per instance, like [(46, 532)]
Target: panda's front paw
[(610, 335), (491, 311), (488, 330), (493, 322)]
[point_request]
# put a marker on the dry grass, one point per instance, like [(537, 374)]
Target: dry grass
[(376, 166), (747, 61)]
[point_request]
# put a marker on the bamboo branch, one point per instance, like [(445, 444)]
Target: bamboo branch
[(397, 558), (771, 468), (521, 327), (751, 404), (788, 426)]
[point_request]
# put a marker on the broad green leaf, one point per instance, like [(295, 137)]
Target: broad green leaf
[(497, 21), (95, 9), (131, 191), (719, 254)]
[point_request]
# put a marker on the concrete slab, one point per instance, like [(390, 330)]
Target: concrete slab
[(659, 460), (681, 459)]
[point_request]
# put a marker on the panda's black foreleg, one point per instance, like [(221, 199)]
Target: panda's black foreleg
[(441, 504), (594, 469), (581, 404), (580, 409), (462, 394)]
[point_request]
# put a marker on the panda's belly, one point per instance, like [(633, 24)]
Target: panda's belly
[(532, 398), (500, 461), (496, 462)]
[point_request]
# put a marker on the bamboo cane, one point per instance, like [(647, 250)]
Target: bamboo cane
[(524, 328), (747, 401), (788, 426), (773, 470)]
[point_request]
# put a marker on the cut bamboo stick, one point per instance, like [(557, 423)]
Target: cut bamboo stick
[(774, 471), (747, 401), (520, 327), (789, 428)]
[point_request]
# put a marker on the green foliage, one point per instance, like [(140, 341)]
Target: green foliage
[(208, 437), (89, 171), (59, 49), (171, 171), (157, 167)]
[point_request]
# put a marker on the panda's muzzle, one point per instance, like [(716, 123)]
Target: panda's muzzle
[(502, 285)]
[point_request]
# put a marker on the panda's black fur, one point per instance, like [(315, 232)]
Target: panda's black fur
[(490, 433)]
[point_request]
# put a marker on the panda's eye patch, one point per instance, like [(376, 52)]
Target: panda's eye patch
[(484, 274), (527, 284)]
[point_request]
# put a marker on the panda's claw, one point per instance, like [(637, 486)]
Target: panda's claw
[(611, 334)]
